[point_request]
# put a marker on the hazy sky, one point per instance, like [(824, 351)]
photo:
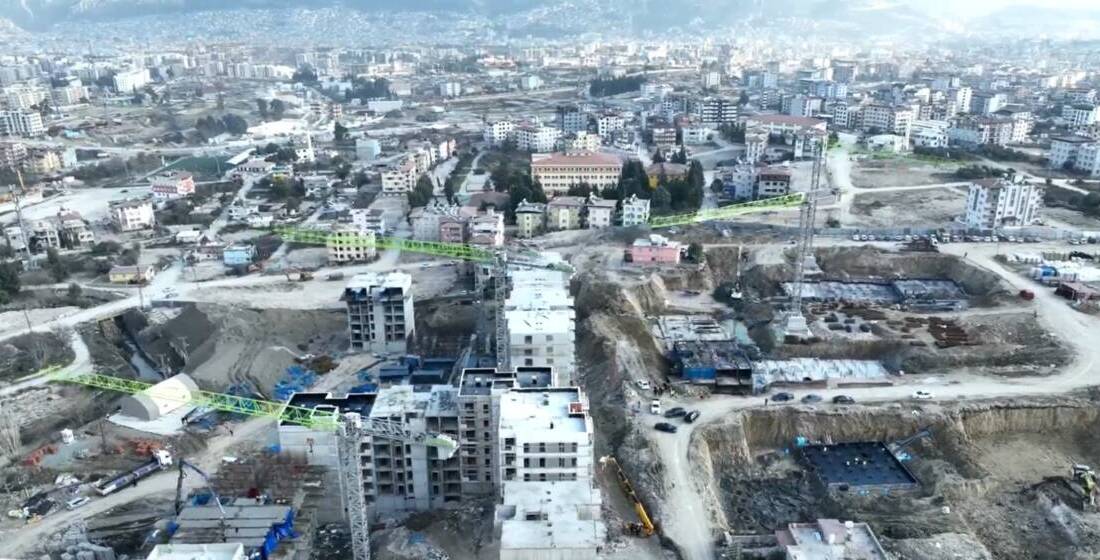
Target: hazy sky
[(969, 8)]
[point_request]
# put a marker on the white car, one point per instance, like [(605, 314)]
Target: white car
[(655, 407), (644, 385), (922, 395), (77, 502)]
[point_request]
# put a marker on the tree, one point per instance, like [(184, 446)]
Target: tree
[(261, 106), (717, 186), (339, 132), (278, 108), (423, 191), (304, 74), (9, 280), (681, 156), (658, 156), (695, 253), (743, 99), (58, 270), (235, 124), (661, 201), (449, 189), (74, 292)]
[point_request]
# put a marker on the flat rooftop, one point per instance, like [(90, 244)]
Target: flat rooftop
[(539, 321), (246, 522), (547, 411), (221, 551), (402, 400), (484, 381), (359, 403), (858, 465), (550, 515)]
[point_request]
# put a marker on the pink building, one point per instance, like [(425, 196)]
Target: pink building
[(452, 230), (654, 249), (174, 184)]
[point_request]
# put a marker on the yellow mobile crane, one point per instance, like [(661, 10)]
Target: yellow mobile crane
[(644, 527)]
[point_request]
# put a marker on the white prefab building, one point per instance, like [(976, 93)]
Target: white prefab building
[(380, 311), (496, 133), (549, 521), (132, 215), (997, 203)]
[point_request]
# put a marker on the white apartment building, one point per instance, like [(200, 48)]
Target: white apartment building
[(997, 203), (1081, 115), (1088, 159), (600, 212), (974, 131), (545, 435), (132, 215), (380, 311), (716, 110), (487, 228), (1064, 149), (535, 138), (635, 211), (369, 219), (450, 89), (571, 119), (607, 124), (72, 94), (425, 220), (694, 135), (558, 172), (131, 81), (886, 119), (20, 122), (12, 154), (24, 97), (348, 243), (756, 144), (581, 142), (497, 132), (530, 219), (928, 133), (399, 179), (540, 319)]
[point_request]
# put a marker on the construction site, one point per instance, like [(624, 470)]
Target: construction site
[(776, 390)]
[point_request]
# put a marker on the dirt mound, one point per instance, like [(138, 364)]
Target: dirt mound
[(229, 345)]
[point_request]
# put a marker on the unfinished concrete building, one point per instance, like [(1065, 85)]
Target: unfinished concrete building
[(540, 317), (380, 312), (479, 395), (545, 435), (550, 520)]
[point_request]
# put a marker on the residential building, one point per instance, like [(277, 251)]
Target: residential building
[(256, 166), (996, 203), (450, 89), (599, 212), (772, 181), (487, 228), (664, 136), (530, 83), (347, 243), (635, 211), (581, 142), (496, 133), (131, 81), (694, 135), (536, 138), (452, 229), (887, 119), (1081, 115), (987, 102), (540, 318), (565, 212), (607, 124), (43, 162), (1088, 159), (367, 149), (557, 172), (530, 219), (929, 134), (571, 119), (1022, 121), (654, 249), (978, 131), (1064, 150), (72, 230), (369, 219), (756, 145), (710, 79), (716, 110), (71, 94), (399, 179), (801, 105), (545, 435), (24, 97), (801, 133), (238, 255), (659, 173), (21, 122), (172, 184), (135, 274), (132, 215), (12, 154), (425, 220), (380, 312)]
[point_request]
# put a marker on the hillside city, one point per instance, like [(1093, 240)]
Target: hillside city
[(311, 284)]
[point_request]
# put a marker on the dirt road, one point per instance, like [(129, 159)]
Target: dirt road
[(691, 527)]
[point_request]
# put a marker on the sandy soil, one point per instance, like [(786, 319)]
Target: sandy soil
[(912, 208), (869, 174)]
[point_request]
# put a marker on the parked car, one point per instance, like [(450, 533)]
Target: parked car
[(77, 502), (811, 398), (655, 406), (675, 412), (922, 395), (691, 416), (782, 397), (843, 399), (665, 427), (644, 385)]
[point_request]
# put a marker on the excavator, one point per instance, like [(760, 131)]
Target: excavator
[(1086, 478), (644, 527)]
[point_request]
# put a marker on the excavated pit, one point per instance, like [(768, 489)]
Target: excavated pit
[(995, 470)]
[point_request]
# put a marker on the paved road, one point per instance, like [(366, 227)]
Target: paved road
[(690, 527)]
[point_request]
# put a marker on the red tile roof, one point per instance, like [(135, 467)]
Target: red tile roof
[(586, 158)]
